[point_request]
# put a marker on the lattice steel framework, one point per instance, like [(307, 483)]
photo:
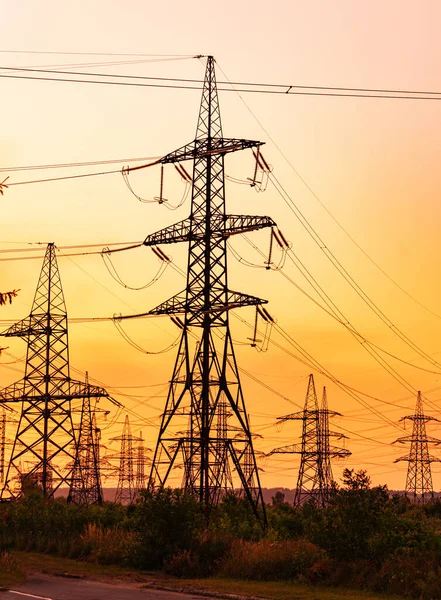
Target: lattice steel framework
[(419, 486), (200, 385), (85, 486), (126, 490), (43, 451), (141, 462), (315, 479)]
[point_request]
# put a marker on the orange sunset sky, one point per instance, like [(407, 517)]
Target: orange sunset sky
[(357, 166)]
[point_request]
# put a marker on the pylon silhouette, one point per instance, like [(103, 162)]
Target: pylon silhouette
[(201, 383), (419, 486), (141, 462), (126, 490), (315, 479), (44, 444), (85, 487)]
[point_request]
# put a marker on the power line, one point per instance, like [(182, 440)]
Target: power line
[(260, 88), (75, 164)]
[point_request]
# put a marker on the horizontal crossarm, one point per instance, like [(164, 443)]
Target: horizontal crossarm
[(425, 461), (17, 392), (199, 149), (233, 224), (244, 223), (292, 449), (20, 329), (179, 232)]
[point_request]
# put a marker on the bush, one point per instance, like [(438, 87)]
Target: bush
[(268, 561)]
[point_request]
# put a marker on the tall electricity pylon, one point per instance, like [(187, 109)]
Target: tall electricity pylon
[(315, 479), (419, 486), (44, 444), (200, 383), (85, 487), (126, 490)]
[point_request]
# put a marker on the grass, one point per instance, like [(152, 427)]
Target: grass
[(33, 562), (11, 572)]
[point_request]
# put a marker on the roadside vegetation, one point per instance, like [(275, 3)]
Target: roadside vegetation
[(363, 540)]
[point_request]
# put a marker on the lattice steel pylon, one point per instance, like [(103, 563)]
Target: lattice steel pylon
[(44, 444), (141, 462), (315, 479), (85, 487), (419, 486), (200, 384), (126, 490)]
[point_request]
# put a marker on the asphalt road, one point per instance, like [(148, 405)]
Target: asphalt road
[(46, 587)]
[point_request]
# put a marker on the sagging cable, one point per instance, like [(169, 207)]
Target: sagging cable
[(165, 261), (128, 339)]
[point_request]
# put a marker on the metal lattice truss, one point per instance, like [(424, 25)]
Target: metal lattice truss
[(43, 451), (128, 470), (315, 478), (205, 394), (85, 486), (419, 486)]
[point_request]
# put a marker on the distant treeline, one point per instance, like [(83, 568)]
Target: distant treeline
[(365, 538)]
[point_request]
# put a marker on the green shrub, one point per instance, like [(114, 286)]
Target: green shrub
[(268, 561)]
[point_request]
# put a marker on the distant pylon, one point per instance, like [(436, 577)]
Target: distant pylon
[(419, 486), (315, 473), (141, 462), (2, 443), (126, 490), (85, 487), (44, 444)]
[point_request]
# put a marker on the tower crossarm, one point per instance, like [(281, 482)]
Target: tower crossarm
[(427, 460), (178, 304), (20, 392), (338, 435), (291, 449), (419, 418), (206, 147), (335, 452), (179, 232), (412, 439), (228, 225), (298, 416), (13, 393), (81, 389), (243, 223), (19, 329)]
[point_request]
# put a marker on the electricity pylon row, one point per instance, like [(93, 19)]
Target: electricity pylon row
[(315, 478), (419, 486)]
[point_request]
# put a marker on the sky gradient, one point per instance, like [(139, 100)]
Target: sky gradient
[(373, 164)]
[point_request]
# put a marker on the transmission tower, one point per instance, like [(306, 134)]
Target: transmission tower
[(85, 487), (419, 487), (200, 383), (141, 461), (315, 473), (126, 490), (44, 444), (2, 444)]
